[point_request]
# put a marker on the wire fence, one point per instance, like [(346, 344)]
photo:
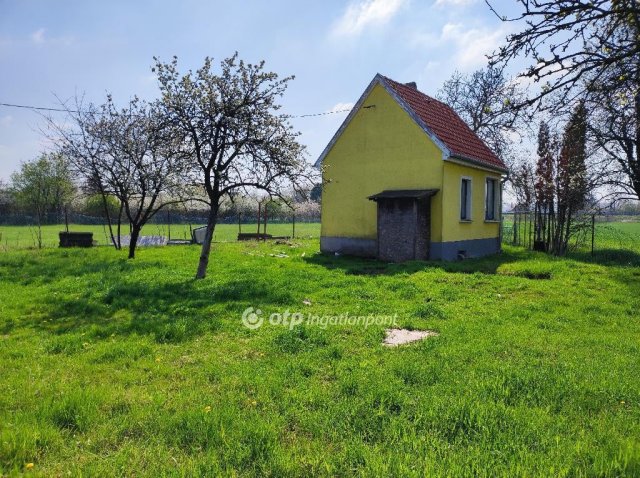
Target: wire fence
[(22, 231), (196, 217), (593, 233), (599, 234)]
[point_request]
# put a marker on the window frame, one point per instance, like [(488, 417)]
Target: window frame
[(496, 199), (469, 201)]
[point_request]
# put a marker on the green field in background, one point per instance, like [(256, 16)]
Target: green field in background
[(23, 237)]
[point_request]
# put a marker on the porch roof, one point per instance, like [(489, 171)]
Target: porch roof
[(403, 194)]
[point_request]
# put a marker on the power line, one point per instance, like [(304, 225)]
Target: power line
[(40, 108), (62, 110), (320, 114)]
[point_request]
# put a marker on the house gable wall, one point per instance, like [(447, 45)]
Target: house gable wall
[(381, 148)]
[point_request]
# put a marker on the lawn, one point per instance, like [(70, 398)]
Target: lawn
[(24, 237), (116, 367)]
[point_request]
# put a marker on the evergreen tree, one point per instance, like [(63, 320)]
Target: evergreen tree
[(544, 186), (571, 180)]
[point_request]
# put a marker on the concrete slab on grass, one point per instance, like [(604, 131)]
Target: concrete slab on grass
[(395, 337), (144, 241)]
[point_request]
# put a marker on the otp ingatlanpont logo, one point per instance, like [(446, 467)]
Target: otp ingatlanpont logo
[(252, 318)]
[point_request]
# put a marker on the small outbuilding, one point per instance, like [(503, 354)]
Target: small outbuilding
[(404, 178)]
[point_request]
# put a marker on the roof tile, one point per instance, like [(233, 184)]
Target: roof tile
[(447, 126)]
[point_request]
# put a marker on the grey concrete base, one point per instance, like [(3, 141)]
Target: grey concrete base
[(448, 251), (349, 246)]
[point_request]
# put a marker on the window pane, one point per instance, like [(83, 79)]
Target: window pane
[(491, 199), (464, 199)]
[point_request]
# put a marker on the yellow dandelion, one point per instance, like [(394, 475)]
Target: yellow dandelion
[(254, 403), (207, 409), (157, 359), (28, 466)]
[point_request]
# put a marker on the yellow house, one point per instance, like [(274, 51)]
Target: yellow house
[(405, 178)]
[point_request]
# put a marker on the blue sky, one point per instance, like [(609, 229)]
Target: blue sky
[(334, 48)]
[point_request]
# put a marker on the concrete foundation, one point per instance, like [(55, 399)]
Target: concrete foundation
[(446, 251)]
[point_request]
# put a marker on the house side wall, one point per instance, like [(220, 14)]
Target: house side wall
[(476, 237), (381, 148)]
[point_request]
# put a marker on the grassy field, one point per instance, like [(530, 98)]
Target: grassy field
[(24, 237), (112, 367)]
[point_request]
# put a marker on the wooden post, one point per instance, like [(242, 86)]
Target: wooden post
[(239, 223), (293, 232)]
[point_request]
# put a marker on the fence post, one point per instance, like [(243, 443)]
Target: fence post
[(265, 221), (593, 232), (169, 223), (259, 216)]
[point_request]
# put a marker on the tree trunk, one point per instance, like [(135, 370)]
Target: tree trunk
[(635, 165), (39, 232), (107, 216), (135, 233), (119, 243), (206, 244)]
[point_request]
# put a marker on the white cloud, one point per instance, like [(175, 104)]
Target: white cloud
[(6, 120), (363, 13), (38, 36), (340, 107), (432, 66), (454, 3), (471, 44)]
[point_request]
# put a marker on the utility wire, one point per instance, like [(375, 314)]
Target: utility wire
[(319, 114), (62, 110), (40, 108)]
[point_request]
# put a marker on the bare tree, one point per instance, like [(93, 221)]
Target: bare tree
[(615, 107), (131, 154), (569, 41), (143, 162), (585, 50), (232, 132), (486, 101), (84, 144)]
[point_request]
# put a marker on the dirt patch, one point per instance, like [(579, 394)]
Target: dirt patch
[(395, 337)]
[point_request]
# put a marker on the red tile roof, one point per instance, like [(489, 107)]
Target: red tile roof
[(447, 126)]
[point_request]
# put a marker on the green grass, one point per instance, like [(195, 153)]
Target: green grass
[(25, 237), (116, 367)]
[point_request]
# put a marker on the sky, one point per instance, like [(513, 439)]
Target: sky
[(52, 49)]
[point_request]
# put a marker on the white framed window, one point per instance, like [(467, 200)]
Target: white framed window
[(491, 199), (465, 199)]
